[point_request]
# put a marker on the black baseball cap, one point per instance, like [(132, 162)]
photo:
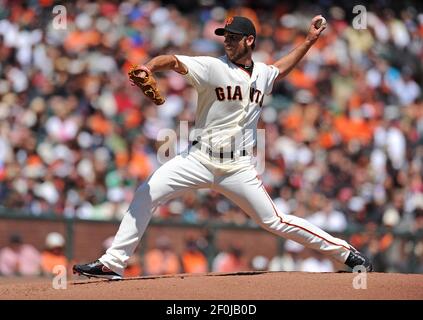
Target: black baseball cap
[(239, 25)]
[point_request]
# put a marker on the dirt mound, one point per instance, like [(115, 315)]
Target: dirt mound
[(238, 286)]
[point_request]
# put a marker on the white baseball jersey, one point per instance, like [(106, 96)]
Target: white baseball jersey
[(229, 100)]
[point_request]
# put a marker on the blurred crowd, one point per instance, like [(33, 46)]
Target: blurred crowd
[(20, 258), (344, 131)]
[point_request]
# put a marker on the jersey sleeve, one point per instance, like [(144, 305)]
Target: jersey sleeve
[(272, 74), (198, 70)]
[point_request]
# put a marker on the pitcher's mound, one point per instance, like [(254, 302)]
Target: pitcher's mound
[(235, 286)]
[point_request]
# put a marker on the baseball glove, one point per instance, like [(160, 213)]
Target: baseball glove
[(147, 83)]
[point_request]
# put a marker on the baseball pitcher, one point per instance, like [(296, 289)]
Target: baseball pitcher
[(230, 90)]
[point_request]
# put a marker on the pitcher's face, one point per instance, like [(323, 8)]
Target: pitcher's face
[(236, 46)]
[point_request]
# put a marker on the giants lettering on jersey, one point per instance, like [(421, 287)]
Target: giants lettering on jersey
[(229, 94), (256, 96)]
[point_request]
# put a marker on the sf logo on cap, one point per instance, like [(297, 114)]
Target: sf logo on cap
[(229, 20)]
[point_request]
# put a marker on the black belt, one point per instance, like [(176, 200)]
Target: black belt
[(221, 155)]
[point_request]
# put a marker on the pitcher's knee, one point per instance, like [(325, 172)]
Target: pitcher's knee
[(142, 198), (152, 194)]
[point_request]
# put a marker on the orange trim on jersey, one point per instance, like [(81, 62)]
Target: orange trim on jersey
[(294, 225)]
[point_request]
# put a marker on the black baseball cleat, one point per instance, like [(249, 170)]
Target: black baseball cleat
[(356, 258), (95, 269)]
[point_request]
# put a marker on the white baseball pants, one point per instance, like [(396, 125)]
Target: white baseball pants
[(243, 187)]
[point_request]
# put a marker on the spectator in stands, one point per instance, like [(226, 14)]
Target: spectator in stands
[(193, 260), (161, 259), (328, 218), (19, 259), (53, 255), (231, 260)]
